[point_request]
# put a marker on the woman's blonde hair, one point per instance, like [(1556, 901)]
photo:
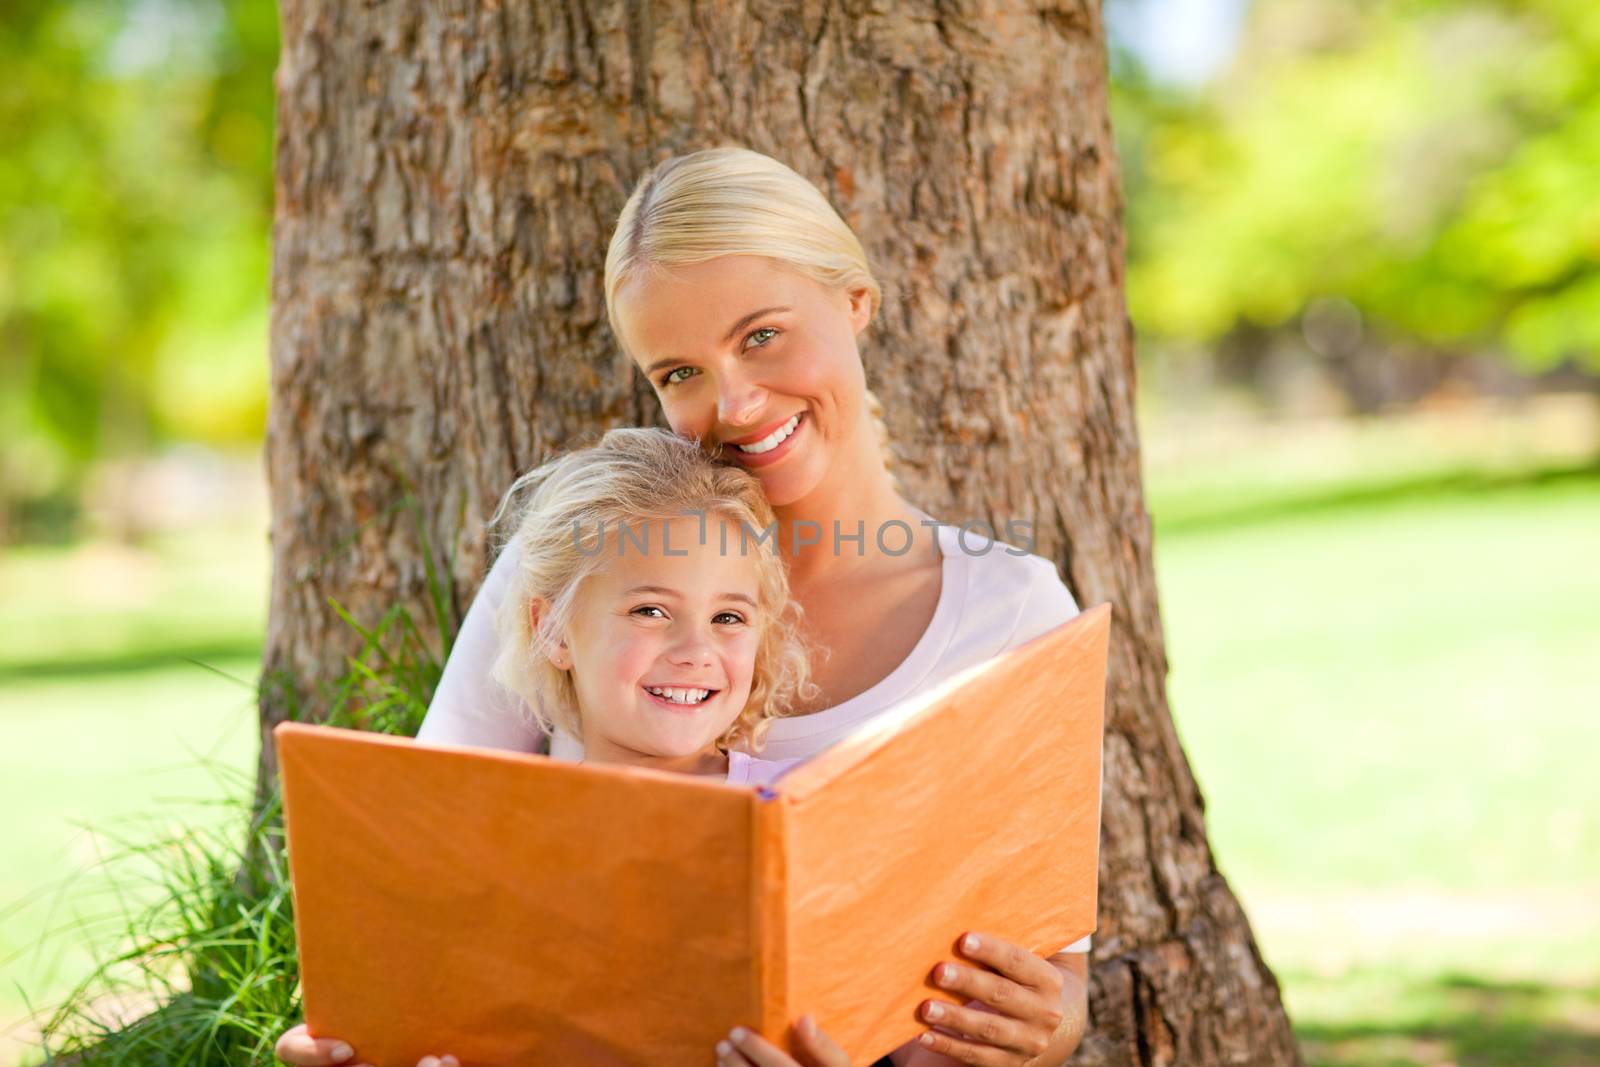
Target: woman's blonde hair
[(734, 202), (631, 478)]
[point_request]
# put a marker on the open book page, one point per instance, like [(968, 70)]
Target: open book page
[(976, 807)]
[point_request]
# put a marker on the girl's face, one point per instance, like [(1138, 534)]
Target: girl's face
[(742, 351), (662, 646)]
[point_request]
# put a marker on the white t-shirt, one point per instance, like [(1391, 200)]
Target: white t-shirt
[(992, 598)]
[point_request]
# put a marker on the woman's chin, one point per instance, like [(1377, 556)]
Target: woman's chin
[(784, 486)]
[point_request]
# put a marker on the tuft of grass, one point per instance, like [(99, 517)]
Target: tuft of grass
[(207, 974)]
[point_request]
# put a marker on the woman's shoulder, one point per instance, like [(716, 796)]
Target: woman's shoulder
[(1012, 594)]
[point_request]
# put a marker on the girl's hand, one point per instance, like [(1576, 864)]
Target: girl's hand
[(1020, 998), (745, 1048)]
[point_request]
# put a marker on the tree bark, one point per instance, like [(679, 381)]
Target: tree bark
[(447, 178)]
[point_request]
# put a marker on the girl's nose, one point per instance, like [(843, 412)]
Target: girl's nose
[(692, 649)]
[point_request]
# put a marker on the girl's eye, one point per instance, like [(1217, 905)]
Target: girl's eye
[(761, 336), (671, 377), (728, 616), (650, 607)]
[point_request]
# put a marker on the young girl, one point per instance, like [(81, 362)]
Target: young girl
[(645, 615)]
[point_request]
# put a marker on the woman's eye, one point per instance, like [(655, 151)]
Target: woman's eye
[(659, 614), (761, 336), (671, 377), (728, 617)]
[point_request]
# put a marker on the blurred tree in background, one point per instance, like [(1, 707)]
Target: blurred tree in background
[(135, 202), (1417, 176), (1376, 189)]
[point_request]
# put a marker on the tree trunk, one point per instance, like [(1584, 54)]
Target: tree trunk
[(447, 179)]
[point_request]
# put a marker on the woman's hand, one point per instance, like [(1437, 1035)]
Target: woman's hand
[(745, 1048), (299, 1049), (1018, 1017)]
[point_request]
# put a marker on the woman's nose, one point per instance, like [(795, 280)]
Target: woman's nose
[(739, 401)]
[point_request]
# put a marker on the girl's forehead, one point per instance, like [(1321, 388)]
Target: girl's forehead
[(687, 555)]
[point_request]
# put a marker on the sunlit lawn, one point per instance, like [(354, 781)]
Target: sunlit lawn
[(106, 723), (1389, 700)]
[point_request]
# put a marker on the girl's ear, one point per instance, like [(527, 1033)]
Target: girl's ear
[(559, 654)]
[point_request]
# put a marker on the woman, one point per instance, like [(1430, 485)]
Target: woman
[(739, 292)]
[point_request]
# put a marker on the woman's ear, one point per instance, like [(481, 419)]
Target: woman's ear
[(558, 654), (860, 307)]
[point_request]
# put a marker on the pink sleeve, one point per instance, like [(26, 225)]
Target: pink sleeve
[(469, 707)]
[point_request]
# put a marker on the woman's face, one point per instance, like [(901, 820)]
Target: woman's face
[(747, 353), (663, 639)]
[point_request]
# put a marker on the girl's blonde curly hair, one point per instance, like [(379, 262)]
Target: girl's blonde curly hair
[(634, 477)]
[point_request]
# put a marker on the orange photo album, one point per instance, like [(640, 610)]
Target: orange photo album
[(516, 910)]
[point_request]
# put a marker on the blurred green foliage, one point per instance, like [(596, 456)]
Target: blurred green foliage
[(1431, 165), (135, 202), (1435, 164)]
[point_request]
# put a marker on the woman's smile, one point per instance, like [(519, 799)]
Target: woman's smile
[(763, 451)]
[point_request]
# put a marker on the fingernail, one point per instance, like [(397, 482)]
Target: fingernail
[(970, 943), (947, 974), (738, 1034), (450, 1061), (935, 1010), (926, 1039), (342, 1051), (808, 1026), (724, 1049)]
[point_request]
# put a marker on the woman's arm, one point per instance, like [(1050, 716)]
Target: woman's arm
[(469, 707)]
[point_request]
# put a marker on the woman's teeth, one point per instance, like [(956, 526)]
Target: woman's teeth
[(679, 696), (773, 439)]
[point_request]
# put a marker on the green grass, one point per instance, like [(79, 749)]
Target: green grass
[(100, 608), (1388, 691), (1401, 694), (106, 722), (1377, 1018), (131, 755)]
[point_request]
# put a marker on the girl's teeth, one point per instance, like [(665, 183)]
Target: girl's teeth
[(680, 696), (773, 439)]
